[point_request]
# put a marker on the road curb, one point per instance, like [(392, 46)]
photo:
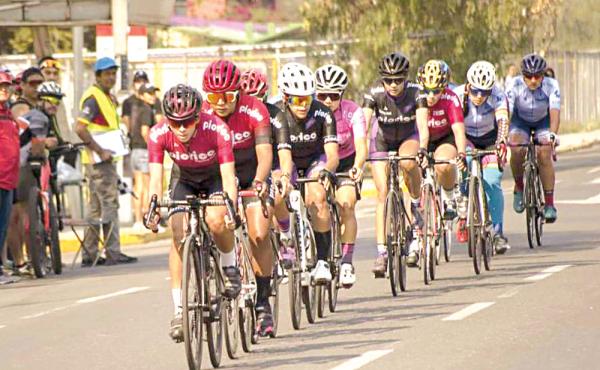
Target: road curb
[(69, 243)]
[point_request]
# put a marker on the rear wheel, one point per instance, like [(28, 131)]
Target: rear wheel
[(321, 297), (309, 292), (475, 224), (36, 234), (247, 326), (55, 253), (530, 206), (214, 321), (192, 316), (391, 214), (539, 224), (447, 240), (232, 328), (335, 264)]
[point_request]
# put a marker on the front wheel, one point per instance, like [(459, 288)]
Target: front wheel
[(539, 224), (192, 291), (214, 311), (36, 234), (55, 254), (447, 240), (321, 297), (391, 216), (232, 328), (475, 224), (531, 210)]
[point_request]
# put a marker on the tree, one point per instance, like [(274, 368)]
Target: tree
[(457, 31)]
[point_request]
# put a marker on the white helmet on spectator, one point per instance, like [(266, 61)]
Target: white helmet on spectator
[(296, 79), (331, 78), (482, 75)]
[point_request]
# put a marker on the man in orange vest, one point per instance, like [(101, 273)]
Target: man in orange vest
[(98, 114)]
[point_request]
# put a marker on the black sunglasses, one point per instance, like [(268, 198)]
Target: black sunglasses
[(332, 96), (532, 75), (392, 80), (434, 91)]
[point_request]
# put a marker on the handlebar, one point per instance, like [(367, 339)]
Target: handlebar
[(65, 148), (394, 157)]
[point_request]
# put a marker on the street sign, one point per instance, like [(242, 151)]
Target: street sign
[(137, 42)]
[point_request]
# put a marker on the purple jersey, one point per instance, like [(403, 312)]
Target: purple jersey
[(351, 124)]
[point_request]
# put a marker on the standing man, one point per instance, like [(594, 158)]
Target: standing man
[(30, 80), (99, 115), (142, 120), (9, 162)]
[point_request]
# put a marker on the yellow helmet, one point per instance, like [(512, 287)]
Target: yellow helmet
[(433, 75)]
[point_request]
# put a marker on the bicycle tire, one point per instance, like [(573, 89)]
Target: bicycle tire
[(275, 281), (321, 294), (475, 224), (55, 253), (214, 322), (232, 328), (36, 234), (432, 238), (447, 240), (193, 288), (530, 206), (539, 224), (488, 246), (295, 297), (309, 293), (247, 322), (333, 287), (425, 253), (439, 225), (391, 213), (404, 242)]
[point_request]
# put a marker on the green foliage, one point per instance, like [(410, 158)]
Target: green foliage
[(457, 31)]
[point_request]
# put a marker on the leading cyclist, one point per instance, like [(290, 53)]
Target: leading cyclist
[(200, 144), (535, 104)]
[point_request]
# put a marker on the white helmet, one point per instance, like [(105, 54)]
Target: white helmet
[(331, 78), (482, 75), (296, 79)]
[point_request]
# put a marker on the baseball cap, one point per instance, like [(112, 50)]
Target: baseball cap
[(105, 63), (147, 88)]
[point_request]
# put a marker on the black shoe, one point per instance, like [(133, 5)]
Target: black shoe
[(264, 320), (501, 244), (233, 283), (86, 262), (176, 332), (450, 211), (121, 259)]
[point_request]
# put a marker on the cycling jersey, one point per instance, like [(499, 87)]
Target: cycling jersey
[(308, 136), (350, 124), (280, 131), (480, 121), (445, 113), (198, 159), (532, 106), (396, 117), (250, 126)]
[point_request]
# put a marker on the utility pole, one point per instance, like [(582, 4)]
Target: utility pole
[(120, 24)]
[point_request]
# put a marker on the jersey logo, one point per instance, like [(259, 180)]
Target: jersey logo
[(193, 156), (326, 115), (222, 130), (239, 137), (275, 122), (159, 131), (254, 113), (438, 123), (303, 138)]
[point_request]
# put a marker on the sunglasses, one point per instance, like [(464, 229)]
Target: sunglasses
[(52, 100), (434, 91), (397, 80), (226, 97), (333, 96), (299, 100), (176, 125), (35, 82), (480, 92), (51, 64), (531, 76)]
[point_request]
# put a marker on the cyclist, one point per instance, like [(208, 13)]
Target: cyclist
[(394, 101), (441, 130), (331, 82), (254, 83), (534, 101), (314, 151), (201, 145), (485, 109), (248, 119)]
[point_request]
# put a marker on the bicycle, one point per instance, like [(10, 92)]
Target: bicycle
[(533, 192), (479, 223), (433, 229), (397, 225), (276, 278), (203, 281)]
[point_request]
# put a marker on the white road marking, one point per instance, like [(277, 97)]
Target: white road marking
[(362, 360), (595, 181), (591, 200), (168, 278), (510, 293), (468, 311), (546, 273), (44, 313), (115, 294), (2, 326), (594, 170)]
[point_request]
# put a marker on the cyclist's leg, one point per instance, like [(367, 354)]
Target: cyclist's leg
[(412, 178), (492, 184), (518, 135), (379, 148), (346, 199), (546, 164), (446, 174)]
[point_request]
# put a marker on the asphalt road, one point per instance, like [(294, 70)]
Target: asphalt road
[(537, 309)]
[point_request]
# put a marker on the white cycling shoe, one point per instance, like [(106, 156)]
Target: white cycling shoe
[(347, 275), (321, 273), (413, 253)]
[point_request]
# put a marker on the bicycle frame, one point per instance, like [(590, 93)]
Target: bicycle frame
[(476, 170), (299, 216)]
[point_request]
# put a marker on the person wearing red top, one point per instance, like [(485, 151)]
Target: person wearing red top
[(200, 144), (248, 119), (441, 129), (9, 161)]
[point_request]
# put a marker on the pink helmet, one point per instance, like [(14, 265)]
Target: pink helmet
[(221, 76)]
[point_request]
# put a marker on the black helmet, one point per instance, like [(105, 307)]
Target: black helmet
[(394, 64), (533, 64), (181, 103)]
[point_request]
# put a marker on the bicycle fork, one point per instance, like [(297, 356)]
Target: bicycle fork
[(300, 218)]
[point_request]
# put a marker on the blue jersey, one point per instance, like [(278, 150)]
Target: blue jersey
[(481, 120), (533, 106)]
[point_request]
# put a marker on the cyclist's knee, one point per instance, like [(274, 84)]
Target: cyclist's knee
[(408, 166), (492, 176), (215, 219), (544, 156)]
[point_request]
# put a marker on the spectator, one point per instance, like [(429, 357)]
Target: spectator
[(30, 80), (550, 73), (512, 72), (98, 114), (9, 163), (134, 100), (142, 120)]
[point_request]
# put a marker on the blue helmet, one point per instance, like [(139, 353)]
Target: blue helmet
[(533, 64)]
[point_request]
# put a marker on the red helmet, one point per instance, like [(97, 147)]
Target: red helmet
[(254, 82), (182, 103), (221, 76), (6, 77)]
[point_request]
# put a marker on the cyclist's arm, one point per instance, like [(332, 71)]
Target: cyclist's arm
[(359, 125), (368, 113), (458, 128), (555, 108), (264, 153), (333, 160), (422, 116), (554, 120), (156, 179), (330, 142), (285, 161), (229, 180)]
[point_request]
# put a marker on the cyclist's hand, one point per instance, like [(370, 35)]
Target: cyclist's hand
[(106, 155), (356, 174), (151, 222), (554, 139), (261, 188), (501, 152), (422, 158), (51, 142), (229, 223), (324, 178), (461, 161), (285, 185)]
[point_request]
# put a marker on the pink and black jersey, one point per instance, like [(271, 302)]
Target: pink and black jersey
[(446, 112), (198, 159), (350, 124)]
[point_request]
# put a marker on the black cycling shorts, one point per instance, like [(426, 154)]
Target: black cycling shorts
[(448, 139)]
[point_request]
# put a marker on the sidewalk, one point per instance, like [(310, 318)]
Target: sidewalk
[(69, 242)]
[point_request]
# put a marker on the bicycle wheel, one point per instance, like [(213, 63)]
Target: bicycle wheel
[(432, 229), (193, 289), (247, 327), (425, 234), (295, 283), (36, 234), (447, 240), (55, 254), (275, 281), (321, 297), (488, 247), (214, 322), (530, 206), (309, 291), (539, 224), (335, 264), (232, 326), (391, 214), (475, 223)]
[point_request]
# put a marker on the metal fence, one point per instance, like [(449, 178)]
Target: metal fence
[(578, 74)]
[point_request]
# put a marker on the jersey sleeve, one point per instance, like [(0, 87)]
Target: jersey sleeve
[(38, 123), (369, 98), (500, 103), (156, 144), (126, 109), (359, 124), (224, 141), (281, 130), (89, 110), (554, 96), (454, 110), (261, 124), (420, 98), (329, 128)]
